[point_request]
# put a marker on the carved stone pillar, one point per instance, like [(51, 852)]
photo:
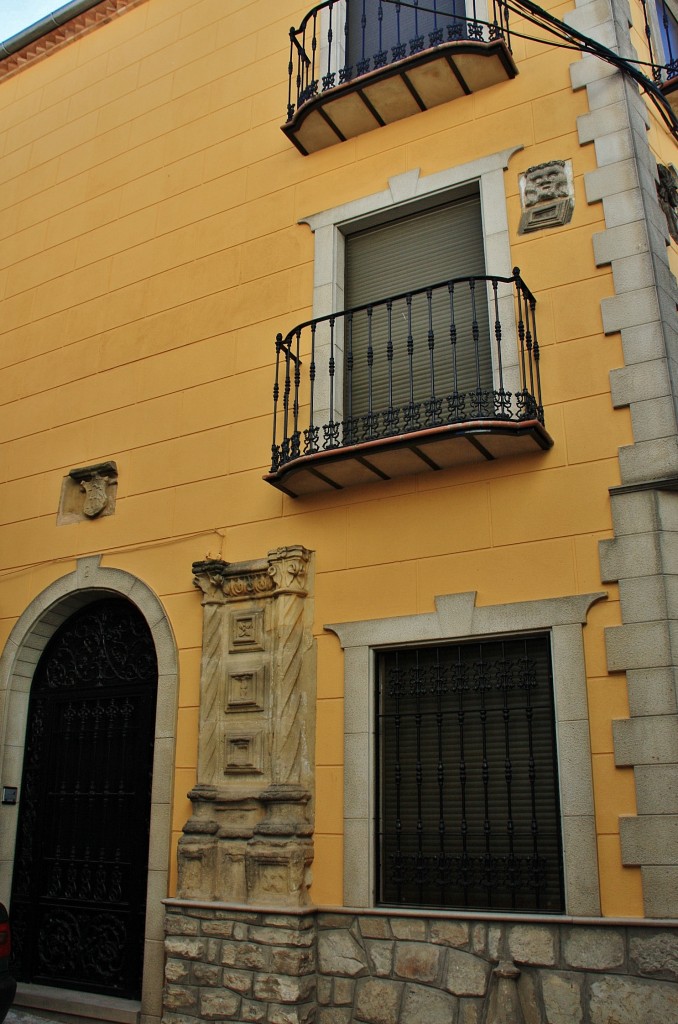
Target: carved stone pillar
[(250, 837)]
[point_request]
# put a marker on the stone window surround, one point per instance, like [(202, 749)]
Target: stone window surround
[(456, 617), (27, 640), (409, 193)]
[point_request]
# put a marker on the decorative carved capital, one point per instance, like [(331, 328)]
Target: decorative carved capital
[(285, 571), (222, 581), (288, 568)]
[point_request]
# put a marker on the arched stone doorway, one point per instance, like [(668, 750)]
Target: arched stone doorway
[(91, 583), (79, 884)]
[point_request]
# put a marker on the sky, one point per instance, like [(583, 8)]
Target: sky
[(18, 14)]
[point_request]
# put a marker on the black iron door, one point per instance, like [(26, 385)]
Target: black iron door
[(80, 869)]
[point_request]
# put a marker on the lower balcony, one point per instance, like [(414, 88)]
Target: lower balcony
[(356, 65), (418, 382)]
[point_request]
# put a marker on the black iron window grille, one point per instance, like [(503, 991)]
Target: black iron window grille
[(468, 809), (341, 40), (419, 360), (663, 50)]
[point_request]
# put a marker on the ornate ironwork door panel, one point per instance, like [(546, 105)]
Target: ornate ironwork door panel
[(80, 869)]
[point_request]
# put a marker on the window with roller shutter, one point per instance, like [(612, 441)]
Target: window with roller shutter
[(399, 257)]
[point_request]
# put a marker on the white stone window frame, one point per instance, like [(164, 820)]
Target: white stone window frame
[(410, 193), (457, 618)]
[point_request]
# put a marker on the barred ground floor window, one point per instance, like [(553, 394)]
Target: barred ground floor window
[(467, 803)]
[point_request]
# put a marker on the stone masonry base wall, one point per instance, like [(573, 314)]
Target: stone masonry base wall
[(384, 968)]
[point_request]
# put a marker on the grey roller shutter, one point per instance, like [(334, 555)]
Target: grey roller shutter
[(424, 249)]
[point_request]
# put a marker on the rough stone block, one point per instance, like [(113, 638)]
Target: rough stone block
[(220, 929), (279, 988), (629, 1001), (176, 971), (343, 991), (218, 1005), (380, 953), (417, 961), (282, 936), (495, 936), (292, 961), (532, 945), (530, 998), (252, 1012), (238, 981), (655, 953), (334, 1015), (470, 1011), (324, 991), (450, 933), (339, 953), (375, 927), (185, 947), (479, 938), (180, 997), (335, 921), (176, 925), (594, 949), (466, 975), (562, 998), (378, 1000), (291, 1014), (426, 1004), (206, 974), (408, 928), (244, 954)]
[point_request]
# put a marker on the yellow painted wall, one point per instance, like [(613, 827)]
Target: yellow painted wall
[(151, 252)]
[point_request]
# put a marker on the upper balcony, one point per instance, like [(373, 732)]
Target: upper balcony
[(418, 382), (356, 65), (661, 32)]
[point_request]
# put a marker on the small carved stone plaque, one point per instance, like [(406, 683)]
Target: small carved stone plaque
[(242, 753), (247, 631), (245, 690), (546, 196), (88, 493)]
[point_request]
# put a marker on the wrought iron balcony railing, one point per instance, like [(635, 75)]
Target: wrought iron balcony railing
[(348, 48), (666, 47), (661, 33), (458, 359)]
